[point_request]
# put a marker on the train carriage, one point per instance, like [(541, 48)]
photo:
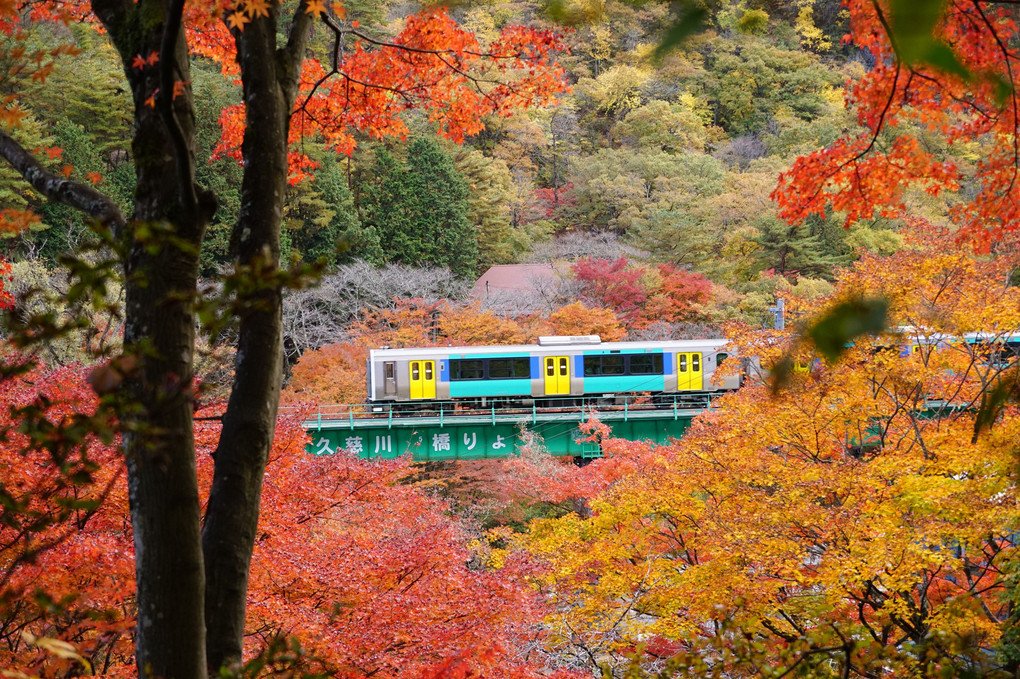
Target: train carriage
[(556, 367)]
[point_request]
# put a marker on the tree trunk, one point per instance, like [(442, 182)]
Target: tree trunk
[(161, 270), (269, 76)]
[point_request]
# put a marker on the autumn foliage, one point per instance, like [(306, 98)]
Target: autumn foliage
[(869, 172), (66, 572), (372, 576), (641, 295), (860, 519), (433, 63)]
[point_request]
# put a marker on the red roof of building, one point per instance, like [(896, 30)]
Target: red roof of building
[(519, 277)]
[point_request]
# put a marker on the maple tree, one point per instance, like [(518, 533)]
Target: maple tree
[(679, 296), (858, 522), (965, 95), (640, 295), (612, 285), (192, 574), (371, 575), (330, 374), (468, 325), (377, 579), (577, 319), (66, 578)]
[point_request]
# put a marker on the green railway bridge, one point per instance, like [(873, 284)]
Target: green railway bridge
[(449, 431)]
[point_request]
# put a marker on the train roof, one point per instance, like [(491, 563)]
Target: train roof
[(552, 348)]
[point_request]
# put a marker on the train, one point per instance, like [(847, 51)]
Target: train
[(563, 370), (559, 370)]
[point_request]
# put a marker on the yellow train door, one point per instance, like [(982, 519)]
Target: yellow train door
[(557, 375), (689, 373), (423, 379), (697, 376)]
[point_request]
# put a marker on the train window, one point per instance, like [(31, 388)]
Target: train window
[(500, 368), (719, 358), (469, 369), (682, 360), (550, 367), (696, 363), (645, 364), (415, 371), (509, 368), (596, 366), (388, 370), (428, 370)]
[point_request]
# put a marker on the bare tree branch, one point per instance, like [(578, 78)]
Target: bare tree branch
[(60, 189)]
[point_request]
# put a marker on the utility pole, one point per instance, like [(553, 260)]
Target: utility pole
[(778, 314)]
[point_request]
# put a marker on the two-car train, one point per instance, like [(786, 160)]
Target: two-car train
[(557, 369), (563, 370)]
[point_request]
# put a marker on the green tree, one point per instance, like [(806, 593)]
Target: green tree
[(439, 196), (66, 227), (420, 210), (809, 248), (385, 205), (341, 238)]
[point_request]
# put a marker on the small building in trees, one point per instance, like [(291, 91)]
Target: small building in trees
[(523, 288)]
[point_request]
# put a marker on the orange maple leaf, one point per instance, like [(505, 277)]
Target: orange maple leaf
[(94, 177), (54, 152), (138, 62), (151, 101), (179, 86), (66, 171), (15, 221), (237, 20), (315, 7), (340, 10), (12, 117), (153, 58), (257, 8)]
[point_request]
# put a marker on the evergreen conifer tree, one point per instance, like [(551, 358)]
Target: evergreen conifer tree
[(344, 238), (805, 248), (440, 205), (420, 211)]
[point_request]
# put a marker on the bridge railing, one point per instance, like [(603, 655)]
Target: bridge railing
[(617, 407)]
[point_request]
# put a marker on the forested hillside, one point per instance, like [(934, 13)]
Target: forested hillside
[(675, 157)]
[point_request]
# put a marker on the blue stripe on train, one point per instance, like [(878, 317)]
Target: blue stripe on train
[(444, 370)]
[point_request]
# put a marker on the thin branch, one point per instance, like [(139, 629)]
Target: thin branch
[(1012, 97)]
